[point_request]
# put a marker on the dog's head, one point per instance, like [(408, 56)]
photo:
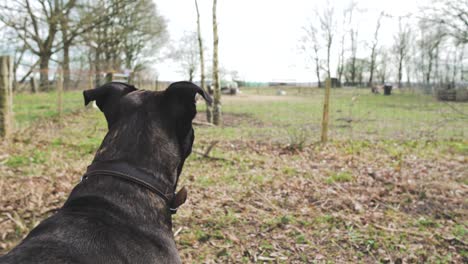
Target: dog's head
[(152, 130)]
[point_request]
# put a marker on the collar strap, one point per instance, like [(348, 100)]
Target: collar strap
[(124, 171)]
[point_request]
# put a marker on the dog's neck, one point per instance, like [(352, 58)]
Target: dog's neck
[(147, 148), (104, 194)]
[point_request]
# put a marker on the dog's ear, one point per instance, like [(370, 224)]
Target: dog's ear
[(180, 103), (181, 97), (107, 98), (186, 91), (181, 106)]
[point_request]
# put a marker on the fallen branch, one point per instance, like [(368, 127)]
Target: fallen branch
[(178, 231), (206, 153), (210, 147), (199, 123), (210, 157)]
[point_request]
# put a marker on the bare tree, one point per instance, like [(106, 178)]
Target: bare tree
[(101, 40), (374, 50), (75, 21), (428, 47), (460, 59), (327, 25), (187, 54), (313, 37), (451, 15), (381, 67), (311, 46), (408, 65), (400, 47), (217, 117), (341, 58), (128, 35), (144, 32), (353, 33), (37, 25), (67, 38), (209, 114)]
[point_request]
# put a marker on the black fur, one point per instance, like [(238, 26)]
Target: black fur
[(107, 220)]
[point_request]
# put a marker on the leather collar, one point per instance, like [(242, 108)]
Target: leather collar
[(125, 171)]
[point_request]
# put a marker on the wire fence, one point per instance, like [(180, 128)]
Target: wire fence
[(288, 113), (84, 79), (359, 114)]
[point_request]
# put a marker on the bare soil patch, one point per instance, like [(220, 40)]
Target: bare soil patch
[(234, 119)]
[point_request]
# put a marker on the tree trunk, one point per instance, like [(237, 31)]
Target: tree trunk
[(462, 71), (328, 58), (436, 64), (66, 67), (408, 75), (6, 96), (44, 72), (128, 60), (353, 57), (374, 47), (429, 68), (341, 57), (372, 67), (16, 64), (400, 69), (371, 75), (66, 51), (341, 64), (353, 71), (97, 67), (191, 75), (209, 110), (217, 117), (317, 71)]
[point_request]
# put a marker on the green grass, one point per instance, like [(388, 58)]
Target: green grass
[(354, 114), (296, 119), (340, 177), (28, 107), (36, 157)]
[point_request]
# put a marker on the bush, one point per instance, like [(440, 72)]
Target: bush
[(298, 138)]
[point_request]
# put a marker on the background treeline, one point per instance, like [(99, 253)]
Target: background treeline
[(90, 37), (427, 47)]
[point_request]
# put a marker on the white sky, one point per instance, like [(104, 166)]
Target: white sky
[(260, 39)]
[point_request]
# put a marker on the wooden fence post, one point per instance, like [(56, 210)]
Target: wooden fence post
[(33, 85), (90, 80), (326, 108), (59, 86), (6, 96)]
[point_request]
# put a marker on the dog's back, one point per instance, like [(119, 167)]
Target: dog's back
[(95, 230), (123, 216)]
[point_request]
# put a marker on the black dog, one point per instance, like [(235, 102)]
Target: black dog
[(121, 210)]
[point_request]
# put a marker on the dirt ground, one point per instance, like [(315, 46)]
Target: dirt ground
[(254, 201)]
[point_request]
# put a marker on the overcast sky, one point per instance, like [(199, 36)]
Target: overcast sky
[(260, 39)]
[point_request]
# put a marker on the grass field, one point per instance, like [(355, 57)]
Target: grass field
[(28, 107), (354, 114), (391, 186)]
